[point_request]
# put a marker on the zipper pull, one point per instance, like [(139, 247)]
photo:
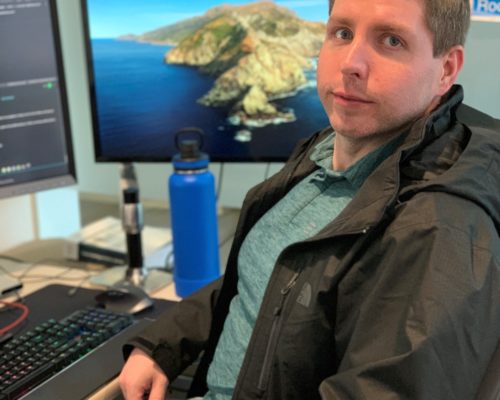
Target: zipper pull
[(284, 292), (290, 284)]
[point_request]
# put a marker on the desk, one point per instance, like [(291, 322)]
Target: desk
[(37, 276)]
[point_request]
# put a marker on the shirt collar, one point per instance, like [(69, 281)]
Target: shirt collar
[(360, 170)]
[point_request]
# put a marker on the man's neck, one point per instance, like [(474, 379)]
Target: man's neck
[(347, 151)]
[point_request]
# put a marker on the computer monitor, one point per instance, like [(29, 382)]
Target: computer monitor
[(243, 71), (35, 138)]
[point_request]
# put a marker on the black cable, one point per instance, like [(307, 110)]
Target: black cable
[(9, 258), (7, 272), (226, 240), (219, 181), (74, 289), (60, 275), (34, 278), (51, 261), (268, 169)]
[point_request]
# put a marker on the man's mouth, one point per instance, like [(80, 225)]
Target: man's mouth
[(350, 99)]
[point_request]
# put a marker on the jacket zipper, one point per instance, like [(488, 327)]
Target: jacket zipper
[(274, 334)]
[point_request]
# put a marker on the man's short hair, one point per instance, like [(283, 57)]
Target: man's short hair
[(448, 21)]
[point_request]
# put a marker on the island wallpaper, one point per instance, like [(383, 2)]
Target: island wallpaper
[(243, 71)]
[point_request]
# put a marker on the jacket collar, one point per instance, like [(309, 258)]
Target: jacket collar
[(381, 189)]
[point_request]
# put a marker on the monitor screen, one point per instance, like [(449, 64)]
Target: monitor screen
[(242, 71), (35, 137)]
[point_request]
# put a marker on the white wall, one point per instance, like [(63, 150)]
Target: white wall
[(18, 223), (47, 214), (481, 74)]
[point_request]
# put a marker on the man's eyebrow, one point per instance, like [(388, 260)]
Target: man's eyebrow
[(339, 20), (396, 28)]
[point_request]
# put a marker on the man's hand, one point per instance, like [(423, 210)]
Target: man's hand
[(141, 378)]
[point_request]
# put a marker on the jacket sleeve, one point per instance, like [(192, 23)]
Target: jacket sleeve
[(427, 320), (177, 337)]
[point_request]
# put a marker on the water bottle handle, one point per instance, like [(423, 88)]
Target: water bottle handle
[(182, 132)]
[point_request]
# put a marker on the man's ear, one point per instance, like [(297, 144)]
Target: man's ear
[(452, 62)]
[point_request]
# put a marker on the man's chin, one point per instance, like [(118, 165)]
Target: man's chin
[(357, 129), (354, 131), (353, 126)]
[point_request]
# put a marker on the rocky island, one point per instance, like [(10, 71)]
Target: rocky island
[(258, 53)]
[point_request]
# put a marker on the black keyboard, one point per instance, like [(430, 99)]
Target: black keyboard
[(30, 361)]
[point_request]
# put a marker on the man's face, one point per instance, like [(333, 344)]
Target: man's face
[(376, 68)]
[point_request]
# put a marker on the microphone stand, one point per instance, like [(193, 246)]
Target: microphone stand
[(133, 222), (134, 273)]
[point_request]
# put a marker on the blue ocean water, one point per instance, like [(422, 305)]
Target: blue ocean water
[(142, 102)]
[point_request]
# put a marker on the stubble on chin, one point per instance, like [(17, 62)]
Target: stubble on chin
[(363, 128)]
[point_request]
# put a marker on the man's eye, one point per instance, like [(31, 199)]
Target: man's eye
[(392, 41), (343, 34)]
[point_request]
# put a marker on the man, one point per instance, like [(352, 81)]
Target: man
[(371, 271)]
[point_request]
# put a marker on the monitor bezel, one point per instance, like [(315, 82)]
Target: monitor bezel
[(69, 178)]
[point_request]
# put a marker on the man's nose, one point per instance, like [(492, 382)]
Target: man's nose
[(356, 59)]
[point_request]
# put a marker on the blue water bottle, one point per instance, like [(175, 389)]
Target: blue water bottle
[(193, 215)]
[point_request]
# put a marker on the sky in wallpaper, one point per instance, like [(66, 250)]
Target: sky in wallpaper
[(112, 18)]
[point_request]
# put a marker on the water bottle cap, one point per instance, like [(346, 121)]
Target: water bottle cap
[(190, 156), (190, 149)]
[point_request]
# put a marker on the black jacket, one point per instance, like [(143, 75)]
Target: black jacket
[(397, 298)]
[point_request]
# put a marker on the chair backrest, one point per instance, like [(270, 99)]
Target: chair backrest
[(490, 385)]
